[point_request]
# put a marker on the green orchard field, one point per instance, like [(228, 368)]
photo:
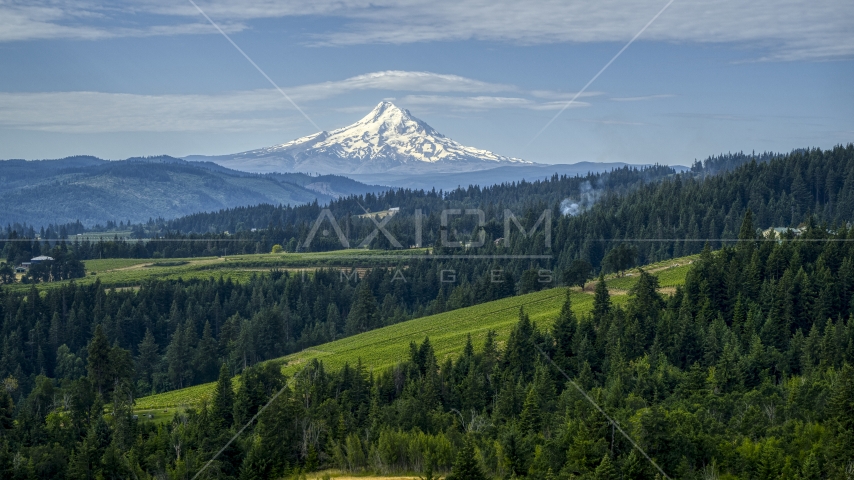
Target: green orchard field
[(670, 274), (130, 272), (384, 347)]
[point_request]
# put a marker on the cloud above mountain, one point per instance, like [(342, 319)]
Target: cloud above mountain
[(783, 30), (490, 102), (397, 80), (253, 110)]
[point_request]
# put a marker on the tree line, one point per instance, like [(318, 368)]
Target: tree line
[(627, 217)]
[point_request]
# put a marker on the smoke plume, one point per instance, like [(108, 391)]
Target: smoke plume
[(587, 196)]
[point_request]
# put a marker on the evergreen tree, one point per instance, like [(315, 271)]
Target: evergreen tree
[(577, 273), (466, 467), (468, 349), (146, 361), (530, 420), (256, 466), (520, 354), (222, 404), (68, 365), (841, 408), (206, 355), (811, 469), (7, 410), (601, 299), (606, 470), (98, 360), (363, 314), (121, 373), (178, 359), (490, 350), (747, 232), (334, 318), (563, 332)]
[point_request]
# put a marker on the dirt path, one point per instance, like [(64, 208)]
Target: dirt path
[(132, 267), (149, 264), (590, 287), (314, 476)]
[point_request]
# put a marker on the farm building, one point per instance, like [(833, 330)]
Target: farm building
[(40, 259), (778, 232)]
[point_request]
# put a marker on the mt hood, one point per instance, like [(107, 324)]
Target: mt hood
[(387, 140)]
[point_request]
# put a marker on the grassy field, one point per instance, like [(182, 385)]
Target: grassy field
[(338, 475), (670, 273), (129, 272), (109, 264), (382, 348), (132, 272), (349, 476)]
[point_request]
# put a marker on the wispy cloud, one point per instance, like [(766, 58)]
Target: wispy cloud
[(40, 20), (641, 98), (398, 80), (783, 30), (780, 29), (613, 122), (716, 116), (563, 96), (96, 112), (254, 110), (485, 102)]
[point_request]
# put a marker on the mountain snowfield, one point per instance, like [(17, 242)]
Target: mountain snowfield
[(388, 140)]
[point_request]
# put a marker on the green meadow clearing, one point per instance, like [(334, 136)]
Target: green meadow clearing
[(382, 348), (132, 272), (670, 274)]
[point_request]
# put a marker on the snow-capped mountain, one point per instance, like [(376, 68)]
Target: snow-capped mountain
[(387, 140)]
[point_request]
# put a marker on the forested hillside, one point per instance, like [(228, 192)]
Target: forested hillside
[(643, 215), (289, 225), (509, 195), (744, 372), (687, 212), (726, 162)]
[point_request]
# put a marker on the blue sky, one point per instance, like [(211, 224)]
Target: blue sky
[(151, 77)]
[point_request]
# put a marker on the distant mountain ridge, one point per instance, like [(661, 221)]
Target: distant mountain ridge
[(93, 190), (492, 176), (387, 140)]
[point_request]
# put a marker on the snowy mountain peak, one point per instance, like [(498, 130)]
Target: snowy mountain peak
[(387, 111), (386, 140), (387, 119)]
